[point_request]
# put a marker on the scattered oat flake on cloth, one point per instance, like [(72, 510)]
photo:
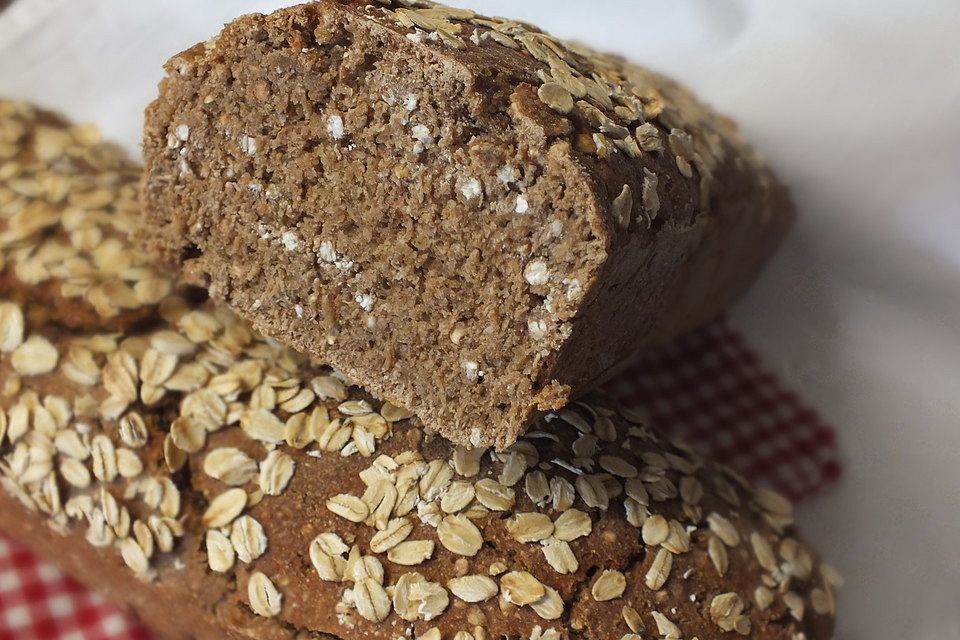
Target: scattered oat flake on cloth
[(709, 388)]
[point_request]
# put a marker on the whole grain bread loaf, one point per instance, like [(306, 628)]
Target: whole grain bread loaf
[(463, 214), (157, 448)]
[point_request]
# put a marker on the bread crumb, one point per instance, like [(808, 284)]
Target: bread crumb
[(290, 240), (365, 300), (471, 189), (326, 252), (536, 272), (537, 329), (335, 127), (522, 205), (507, 174), (422, 134), (248, 145), (472, 369)]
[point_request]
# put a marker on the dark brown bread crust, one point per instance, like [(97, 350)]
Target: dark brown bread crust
[(419, 197), (363, 525)]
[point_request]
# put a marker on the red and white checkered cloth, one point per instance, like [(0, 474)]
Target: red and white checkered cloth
[(709, 388), (713, 391)]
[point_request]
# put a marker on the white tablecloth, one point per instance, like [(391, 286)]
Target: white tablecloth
[(857, 103)]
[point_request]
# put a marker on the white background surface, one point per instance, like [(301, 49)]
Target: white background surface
[(857, 104)]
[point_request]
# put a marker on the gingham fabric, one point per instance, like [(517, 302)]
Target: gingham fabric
[(713, 391), (709, 388), (37, 602)]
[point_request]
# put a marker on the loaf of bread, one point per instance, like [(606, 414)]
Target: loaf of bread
[(157, 448), (463, 214)]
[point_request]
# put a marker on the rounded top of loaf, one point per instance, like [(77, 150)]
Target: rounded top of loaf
[(644, 137)]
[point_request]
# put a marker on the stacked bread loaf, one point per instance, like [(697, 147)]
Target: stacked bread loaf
[(159, 448), (463, 214)]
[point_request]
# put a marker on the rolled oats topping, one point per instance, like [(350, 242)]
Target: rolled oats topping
[(493, 495), (220, 551), (371, 600), (530, 527), (474, 588), (521, 587), (230, 466), (608, 586), (659, 570), (458, 534), (225, 508), (263, 596), (655, 530), (327, 553), (571, 525), (275, 472), (11, 327), (411, 552), (395, 532), (248, 539), (34, 356), (560, 556), (349, 507)]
